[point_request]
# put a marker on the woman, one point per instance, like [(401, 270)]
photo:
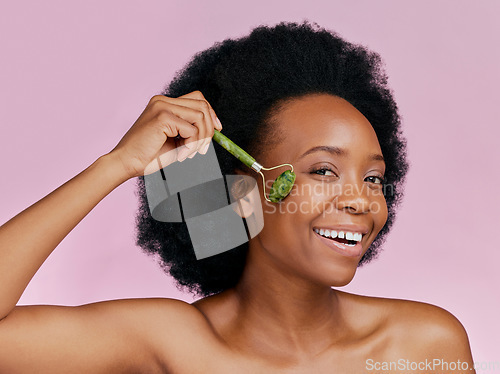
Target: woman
[(293, 93)]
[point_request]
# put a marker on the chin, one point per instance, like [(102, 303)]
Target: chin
[(339, 276), (341, 283)]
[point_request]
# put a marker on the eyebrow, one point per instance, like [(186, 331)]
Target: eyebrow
[(337, 151)]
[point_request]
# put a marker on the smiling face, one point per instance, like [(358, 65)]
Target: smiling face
[(339, 173)]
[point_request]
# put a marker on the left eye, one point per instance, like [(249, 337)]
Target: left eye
[(374, 179)]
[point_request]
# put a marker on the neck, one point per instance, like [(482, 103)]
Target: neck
[(284, 309)]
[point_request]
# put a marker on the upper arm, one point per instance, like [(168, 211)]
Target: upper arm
[(105, 337)]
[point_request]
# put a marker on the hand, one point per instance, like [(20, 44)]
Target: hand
[(168, 130)]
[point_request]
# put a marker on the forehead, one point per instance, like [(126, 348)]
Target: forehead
[(323, 119)]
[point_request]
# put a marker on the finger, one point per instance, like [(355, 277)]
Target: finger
[(205, 149), (172, 125), (198, 119), (164, 157), (195, 95), (201, 105), (194, 100), (168, 154), (185, 152), (199, 96), (215, 120), (181, 135)]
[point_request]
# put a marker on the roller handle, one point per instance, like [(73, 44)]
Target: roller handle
[(232, 148)]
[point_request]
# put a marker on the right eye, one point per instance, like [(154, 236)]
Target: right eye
[(323, 170)]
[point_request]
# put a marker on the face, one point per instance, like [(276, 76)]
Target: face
[(339, 174)]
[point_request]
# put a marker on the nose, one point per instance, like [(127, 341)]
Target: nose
[(353, 199)]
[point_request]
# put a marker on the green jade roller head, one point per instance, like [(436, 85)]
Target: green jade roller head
[(281, 186)]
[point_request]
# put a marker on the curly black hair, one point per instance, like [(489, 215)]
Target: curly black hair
[(246, 81)]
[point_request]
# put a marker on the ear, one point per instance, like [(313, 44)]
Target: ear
[(241, 191)]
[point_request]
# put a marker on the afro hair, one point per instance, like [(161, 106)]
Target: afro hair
[(246, 80)]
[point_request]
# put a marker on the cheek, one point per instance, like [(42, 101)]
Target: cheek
[(379, 211), (305, 200), (284, 221), (310, 198)]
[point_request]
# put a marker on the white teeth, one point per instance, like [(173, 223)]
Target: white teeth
[(348, 235)]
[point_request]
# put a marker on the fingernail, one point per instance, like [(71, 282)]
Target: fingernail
[(182, 154), (220, 124), (204, 149)]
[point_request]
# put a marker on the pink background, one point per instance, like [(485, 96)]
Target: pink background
[(74, 77)]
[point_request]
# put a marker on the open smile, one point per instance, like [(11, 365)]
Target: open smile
[(346, 243)]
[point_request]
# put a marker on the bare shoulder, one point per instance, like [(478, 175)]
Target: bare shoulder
[(176, 332), (417, 330), (427, 323)]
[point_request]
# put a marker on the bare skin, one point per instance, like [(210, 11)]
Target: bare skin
[(282, 317)]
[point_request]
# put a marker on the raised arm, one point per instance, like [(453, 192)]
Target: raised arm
[(30, 237)]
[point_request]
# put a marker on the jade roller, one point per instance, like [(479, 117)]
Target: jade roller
[(281, 186)]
